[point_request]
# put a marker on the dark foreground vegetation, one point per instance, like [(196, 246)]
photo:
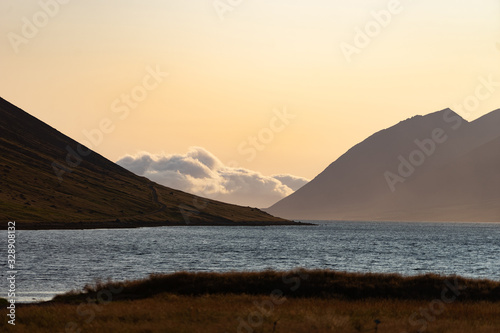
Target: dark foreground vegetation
[(295, 301), (296, 284)]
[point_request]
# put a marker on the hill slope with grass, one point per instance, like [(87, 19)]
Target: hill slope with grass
[(48, 180)]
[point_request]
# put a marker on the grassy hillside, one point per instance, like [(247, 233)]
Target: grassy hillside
[(47, 182)]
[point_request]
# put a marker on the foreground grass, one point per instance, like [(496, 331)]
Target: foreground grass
[(239, 313), (301, 301)]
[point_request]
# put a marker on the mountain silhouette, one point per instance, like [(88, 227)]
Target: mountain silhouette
[(48, 180), (437, 167)]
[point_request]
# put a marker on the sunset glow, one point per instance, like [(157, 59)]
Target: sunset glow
[(230, 68)]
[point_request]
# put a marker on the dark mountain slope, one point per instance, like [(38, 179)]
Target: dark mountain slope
[(48, 180)]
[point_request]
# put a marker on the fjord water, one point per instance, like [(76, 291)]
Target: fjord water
[(55, 261)]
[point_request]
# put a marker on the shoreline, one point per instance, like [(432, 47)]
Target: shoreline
[(85, 225), (88, 225)]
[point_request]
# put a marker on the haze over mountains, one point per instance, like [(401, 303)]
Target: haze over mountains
[(48, 180), (437, 167)]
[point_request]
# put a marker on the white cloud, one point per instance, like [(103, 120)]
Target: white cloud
[(292, 182), (200, 172)]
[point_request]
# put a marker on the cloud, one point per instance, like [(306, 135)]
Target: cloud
[(200, 172), (292, 182)]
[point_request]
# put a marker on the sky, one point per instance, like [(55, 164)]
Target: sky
[(244, 101)]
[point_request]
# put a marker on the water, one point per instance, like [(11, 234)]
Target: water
[(55, 261)]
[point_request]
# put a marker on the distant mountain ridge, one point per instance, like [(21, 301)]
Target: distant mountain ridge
[(437, 167), (48, 180)]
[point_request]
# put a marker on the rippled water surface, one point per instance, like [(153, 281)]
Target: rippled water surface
[(55, 261)]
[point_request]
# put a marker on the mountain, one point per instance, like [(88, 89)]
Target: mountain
[(48, 180), (437, 167)]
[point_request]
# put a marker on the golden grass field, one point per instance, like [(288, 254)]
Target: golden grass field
[(141, 306), (222, 313)]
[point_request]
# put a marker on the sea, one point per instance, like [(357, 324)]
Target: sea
[(51, 262)]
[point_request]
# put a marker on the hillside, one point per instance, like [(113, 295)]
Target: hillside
[(48, 180), (437, 167)]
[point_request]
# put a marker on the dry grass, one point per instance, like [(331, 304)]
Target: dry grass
[(229, 313), (299, 283), (299, 301)]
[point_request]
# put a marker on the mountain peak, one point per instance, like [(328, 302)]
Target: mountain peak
[(436, 167)]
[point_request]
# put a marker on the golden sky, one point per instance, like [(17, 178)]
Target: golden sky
[(233, 68)]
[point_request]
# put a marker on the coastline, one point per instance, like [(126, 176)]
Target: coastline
[(82, 225)]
